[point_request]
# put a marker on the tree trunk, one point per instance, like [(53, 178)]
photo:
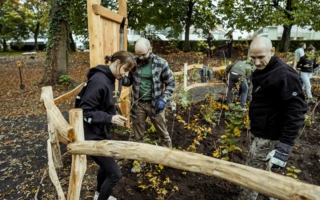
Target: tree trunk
[(72, 43), (57, 48), (187, 27), (285, 40), (4, 44), (36, 33)]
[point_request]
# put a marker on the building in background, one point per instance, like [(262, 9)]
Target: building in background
[(218, 33), (297, 33)]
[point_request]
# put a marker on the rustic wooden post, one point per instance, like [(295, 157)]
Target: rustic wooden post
[(95, 35), (79, 162), (66, 132), (53, 134), (56, 153), (53, 173), (104, 38)]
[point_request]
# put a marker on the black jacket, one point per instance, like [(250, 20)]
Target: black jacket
[(278, 104), (98, 103), (307, 64)]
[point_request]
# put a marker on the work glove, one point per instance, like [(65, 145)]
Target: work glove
[(160, 104), (118, 120), (279, 156)]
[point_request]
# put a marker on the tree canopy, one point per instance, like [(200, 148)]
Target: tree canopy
[(13, 21), (251, 15), (177, 15)]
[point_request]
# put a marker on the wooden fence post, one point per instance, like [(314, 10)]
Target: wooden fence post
[(53, 173), (56, 153), (53, 135), (95, 32), (79, 162)]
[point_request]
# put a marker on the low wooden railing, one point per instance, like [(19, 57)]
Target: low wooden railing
[(187, 67), (73, 135)]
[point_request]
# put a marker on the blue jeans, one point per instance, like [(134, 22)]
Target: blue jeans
[(305, 76), (316, 72), (233, 79)]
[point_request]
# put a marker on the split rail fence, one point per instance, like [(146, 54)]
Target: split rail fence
[(60, 131), (103, 24)]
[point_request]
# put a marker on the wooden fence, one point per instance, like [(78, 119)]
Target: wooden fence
[(60, 131), (105, 24), (187, 67)]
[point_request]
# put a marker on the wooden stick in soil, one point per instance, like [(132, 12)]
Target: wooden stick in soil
[(262, 181), (53, 173), (42, 179), (43, 176)]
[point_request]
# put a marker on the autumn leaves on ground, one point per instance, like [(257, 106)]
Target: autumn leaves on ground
[(23, 156)]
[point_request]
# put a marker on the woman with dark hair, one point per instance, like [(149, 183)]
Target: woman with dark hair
[(99, 111), (306, 65)]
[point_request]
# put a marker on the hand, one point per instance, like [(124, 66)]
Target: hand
[(118, 120), (279, 156), (160, 104)]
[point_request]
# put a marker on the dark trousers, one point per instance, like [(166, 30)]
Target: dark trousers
[(209, 53), (108, 176), (229, 51)]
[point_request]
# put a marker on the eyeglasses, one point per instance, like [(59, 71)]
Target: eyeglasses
[(143, 54)]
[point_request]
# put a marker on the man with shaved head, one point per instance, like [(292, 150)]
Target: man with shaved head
[(153, 84), (276, 111)]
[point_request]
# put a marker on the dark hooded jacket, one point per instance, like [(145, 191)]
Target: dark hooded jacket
[(98, 103), (278, 104), (307, 63)]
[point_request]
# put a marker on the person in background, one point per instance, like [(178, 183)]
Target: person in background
[(239, 73), (298, 53), (153, 84), (306, 65), (209, 42), (99, 112), (276, 111), (229, 45)]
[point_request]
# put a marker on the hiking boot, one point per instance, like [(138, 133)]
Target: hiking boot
[(311, 100), (244, 109)]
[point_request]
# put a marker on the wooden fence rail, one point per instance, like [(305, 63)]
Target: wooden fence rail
[(262, 181), (187, 67)]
